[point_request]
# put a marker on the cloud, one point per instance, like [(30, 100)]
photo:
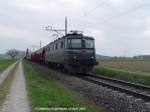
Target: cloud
[(119, 28)]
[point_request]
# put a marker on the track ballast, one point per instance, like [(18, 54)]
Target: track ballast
[(136, 90)]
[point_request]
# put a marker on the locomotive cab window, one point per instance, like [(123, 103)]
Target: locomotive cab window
[(74, 43), (88, 43)]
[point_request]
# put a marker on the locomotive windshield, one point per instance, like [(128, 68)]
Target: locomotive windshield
[(74, 43), (87, 43), (80, 43)]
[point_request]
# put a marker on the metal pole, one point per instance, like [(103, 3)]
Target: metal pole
[(66, 26)]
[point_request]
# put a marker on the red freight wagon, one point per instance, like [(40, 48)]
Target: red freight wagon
[(39, 55)]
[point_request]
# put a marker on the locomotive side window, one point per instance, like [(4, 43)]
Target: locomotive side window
[(69, 43), (53, 47), (61, 44), (56, 46)]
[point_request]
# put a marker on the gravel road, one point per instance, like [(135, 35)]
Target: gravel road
[(17, 100)]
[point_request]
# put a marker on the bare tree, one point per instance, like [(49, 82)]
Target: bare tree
[(12, 53)]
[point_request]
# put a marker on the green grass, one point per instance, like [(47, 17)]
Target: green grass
[(4, 63), (137, 71), (5, 86), (45, 92), (124, 75)]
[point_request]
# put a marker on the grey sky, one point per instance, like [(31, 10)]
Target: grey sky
[(120, 27)]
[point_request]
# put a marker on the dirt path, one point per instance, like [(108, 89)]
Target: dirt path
[(17, 101)]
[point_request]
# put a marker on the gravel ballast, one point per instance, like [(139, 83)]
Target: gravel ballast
[(102, 96)]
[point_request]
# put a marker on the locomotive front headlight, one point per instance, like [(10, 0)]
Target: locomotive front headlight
[(92, 57), (74, 57)]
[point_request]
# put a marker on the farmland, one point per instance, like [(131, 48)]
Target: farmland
[(4, 63), (133, 71), (140, 66)]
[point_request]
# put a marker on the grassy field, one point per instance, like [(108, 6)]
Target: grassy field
[(45, 92), (4, 63), (133, 71)]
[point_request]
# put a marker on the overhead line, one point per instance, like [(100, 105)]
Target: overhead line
[(92, 10), (128, 11), (124, 13)]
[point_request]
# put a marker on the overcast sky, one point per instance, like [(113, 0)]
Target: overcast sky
[(120, 27)]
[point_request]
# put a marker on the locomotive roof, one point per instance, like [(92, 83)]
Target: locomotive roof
[(73, 35), (76, 35), (86, 37)]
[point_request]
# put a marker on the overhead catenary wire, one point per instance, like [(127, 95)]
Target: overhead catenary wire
[(131, 10), (98, 6), (128, 11), (123, 14)]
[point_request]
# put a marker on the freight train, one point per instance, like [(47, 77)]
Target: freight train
[(74, 52)]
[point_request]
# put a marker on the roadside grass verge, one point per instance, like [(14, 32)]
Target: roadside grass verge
[(138, 78), (4, 63), (6, 85), (46, 92)]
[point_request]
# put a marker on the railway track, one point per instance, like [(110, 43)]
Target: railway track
[(136, 90)]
